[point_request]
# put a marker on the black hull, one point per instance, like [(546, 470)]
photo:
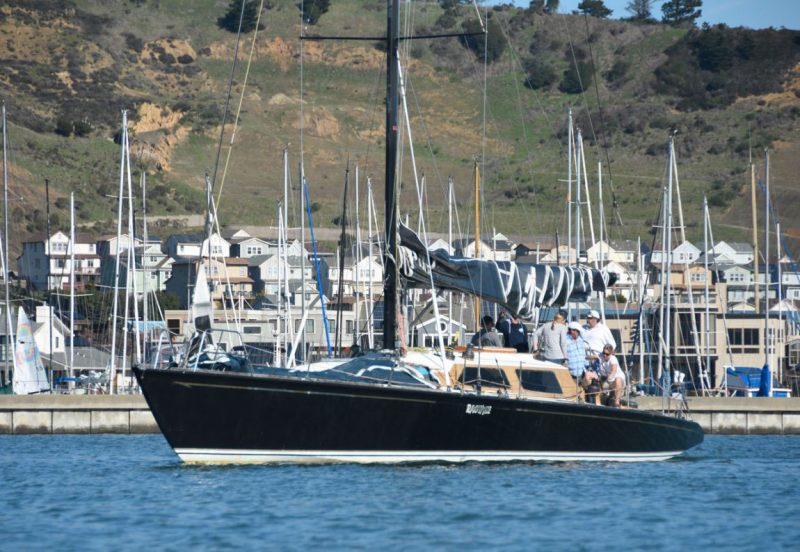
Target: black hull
[(225, 417)]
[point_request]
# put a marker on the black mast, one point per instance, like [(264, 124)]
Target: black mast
[(390, 214)]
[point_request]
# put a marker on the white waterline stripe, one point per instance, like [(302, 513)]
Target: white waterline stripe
[(233, 456)]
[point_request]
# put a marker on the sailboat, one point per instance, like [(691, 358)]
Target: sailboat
[(389, 406), (30, 376)]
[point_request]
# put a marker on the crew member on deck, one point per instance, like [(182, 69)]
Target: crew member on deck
[(612, 371), (515, 334), (551, 340), (487, 336), (597, 336)]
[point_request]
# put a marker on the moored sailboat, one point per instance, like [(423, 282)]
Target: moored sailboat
[(396, 406)]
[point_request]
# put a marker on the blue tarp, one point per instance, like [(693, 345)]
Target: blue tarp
[(765, 385)]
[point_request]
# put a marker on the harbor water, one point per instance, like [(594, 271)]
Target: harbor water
[(123, 492)]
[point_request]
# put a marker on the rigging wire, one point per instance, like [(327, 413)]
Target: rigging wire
[(606, 148), (239, 107), (228, 94)]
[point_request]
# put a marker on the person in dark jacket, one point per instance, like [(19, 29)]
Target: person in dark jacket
[(515, 334)]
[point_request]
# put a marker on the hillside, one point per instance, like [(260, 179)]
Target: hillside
[(68, 68)]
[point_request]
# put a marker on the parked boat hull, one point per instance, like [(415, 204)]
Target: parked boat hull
[(218, 417)]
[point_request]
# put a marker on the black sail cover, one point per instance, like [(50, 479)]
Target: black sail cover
[(519, 287)]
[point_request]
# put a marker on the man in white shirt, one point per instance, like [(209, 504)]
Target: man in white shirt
[(597, 335)]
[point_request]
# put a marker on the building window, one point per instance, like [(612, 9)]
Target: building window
[(252, 330), (309, 326), (697, 277), (349, 327), (331, 325), (743, 340)]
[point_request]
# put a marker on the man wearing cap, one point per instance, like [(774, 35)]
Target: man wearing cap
[(576, 351), (597, 335)]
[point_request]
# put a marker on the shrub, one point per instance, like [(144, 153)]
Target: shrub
[(64, 126), (618, 71), (230, 21), (82, 128), (539, 74), (314, 9), (492, 46), (576, 79)]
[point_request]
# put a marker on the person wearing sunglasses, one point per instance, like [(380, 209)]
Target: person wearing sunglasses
[(613, 373)]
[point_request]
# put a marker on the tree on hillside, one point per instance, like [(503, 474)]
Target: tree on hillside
[(494, 44), (537, 6), (640, 10), (595, 8), (551, 6), (576, 79), (539, 74), (681, 11), (230, 21), (313, 10)]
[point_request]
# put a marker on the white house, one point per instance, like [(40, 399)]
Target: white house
[(108, 246), (684, 253), (191, 246), (267, 271), (465, 247), (563, 255), (734, 253), (627, 283), (439, 243), (739, 280), (364, 270), (41, 331), (42, 256)]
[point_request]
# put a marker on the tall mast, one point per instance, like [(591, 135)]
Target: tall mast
[(71, 284), (779, 329), (570, 141), (767, 274), (449, 251), (707, 293), (120, 195), (477, 238), (371, 307), (754, 209), (302, 252), (390, 215), (145, 270), (282, 326), (579, 148), (668, 329), (357, 332), (9, 329), (49, 273)]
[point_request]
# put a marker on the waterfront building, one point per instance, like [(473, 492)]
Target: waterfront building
[(45, 262)]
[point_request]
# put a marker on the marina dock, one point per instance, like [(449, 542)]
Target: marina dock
[(79, 414), (737, 416), (94, 414)]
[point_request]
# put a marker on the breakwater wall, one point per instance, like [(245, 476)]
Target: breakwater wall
[(88, 414), (737, 415), (44, 414)]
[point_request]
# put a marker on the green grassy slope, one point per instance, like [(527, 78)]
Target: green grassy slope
[(168, 63)]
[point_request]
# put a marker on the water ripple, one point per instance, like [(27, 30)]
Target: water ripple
[(131, 492)]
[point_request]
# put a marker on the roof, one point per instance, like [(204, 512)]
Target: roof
[(80, 237), (257, 260), (187, 238), (740, 247)]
